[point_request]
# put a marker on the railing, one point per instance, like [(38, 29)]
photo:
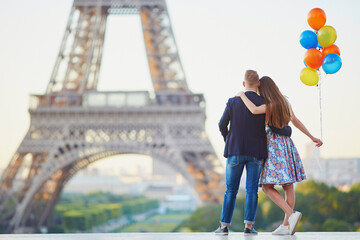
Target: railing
[(114, 99), (119, 3)]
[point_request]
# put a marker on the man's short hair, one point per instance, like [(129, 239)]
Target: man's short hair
[(251, 77)]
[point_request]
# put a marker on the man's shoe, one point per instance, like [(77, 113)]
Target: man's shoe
[(251, 231), (282, 230), (222, 231), (294, 220)]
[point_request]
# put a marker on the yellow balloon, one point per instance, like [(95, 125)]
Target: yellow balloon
[(309, 76), (326, 36)]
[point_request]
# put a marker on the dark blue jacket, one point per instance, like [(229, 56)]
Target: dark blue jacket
[(246, 135)]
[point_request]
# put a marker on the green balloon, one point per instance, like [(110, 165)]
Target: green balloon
[(326, 36)]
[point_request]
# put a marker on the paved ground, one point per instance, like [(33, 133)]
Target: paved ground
[(184, 236)]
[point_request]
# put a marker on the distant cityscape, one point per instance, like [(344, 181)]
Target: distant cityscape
[(171, 189), (339, 172), (161, 183)]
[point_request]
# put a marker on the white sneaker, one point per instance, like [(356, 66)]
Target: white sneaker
[(294, 220), (282, 230)]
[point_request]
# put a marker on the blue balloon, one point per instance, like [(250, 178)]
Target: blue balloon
[(331, 63), (308, 39)]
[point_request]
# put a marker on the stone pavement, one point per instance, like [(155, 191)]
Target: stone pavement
[(184, 236)]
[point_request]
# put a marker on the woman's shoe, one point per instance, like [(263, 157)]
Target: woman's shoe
[(294, 220), (282, 230)]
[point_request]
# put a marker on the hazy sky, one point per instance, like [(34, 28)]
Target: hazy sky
[(217, 40)]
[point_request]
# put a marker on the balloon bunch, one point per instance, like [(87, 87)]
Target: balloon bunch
[(321, 50)]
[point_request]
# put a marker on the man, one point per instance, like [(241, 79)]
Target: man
[(245, 146)]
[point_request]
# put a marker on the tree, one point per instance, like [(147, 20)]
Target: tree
[(204, 219), (335, 225)]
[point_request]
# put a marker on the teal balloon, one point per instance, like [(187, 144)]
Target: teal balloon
[(331, 63), (308, 39)]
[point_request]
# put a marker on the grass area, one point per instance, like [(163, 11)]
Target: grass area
[(150, 227), (157, 223)]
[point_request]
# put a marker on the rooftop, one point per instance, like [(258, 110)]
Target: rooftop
[(184, 236)]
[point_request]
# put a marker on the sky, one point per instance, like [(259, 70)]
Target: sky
[(217, 42)]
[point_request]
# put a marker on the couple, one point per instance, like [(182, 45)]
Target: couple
[(259, 139)]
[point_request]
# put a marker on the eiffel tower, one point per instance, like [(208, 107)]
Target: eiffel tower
[(74, 125)]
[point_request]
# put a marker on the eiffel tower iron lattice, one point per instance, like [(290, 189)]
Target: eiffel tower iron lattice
[(73, 124)]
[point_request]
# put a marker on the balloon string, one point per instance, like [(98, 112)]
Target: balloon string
[(320, 100), (317, 157)]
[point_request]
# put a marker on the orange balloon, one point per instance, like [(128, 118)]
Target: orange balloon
[(316, 18), (313, 58), (332, 49)]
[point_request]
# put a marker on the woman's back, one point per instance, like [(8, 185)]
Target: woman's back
[(278, 112)]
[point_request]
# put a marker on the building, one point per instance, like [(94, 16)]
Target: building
[(178, 203), (341, 171)]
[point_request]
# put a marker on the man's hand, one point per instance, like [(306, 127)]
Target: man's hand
[(317, 141), (239, 94)]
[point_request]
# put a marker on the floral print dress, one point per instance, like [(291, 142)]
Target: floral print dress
[(283, 165)]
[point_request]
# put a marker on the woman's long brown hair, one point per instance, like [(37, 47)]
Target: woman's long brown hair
[(277, 108)]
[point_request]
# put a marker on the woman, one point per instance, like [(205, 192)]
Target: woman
[(283, 166)]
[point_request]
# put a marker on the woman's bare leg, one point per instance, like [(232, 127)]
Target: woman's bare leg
[(289, 198), (278, 199)]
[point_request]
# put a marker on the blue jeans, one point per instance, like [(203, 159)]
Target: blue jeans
[(234, 169)]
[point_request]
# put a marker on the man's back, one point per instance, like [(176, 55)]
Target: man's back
[(246, 135)]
